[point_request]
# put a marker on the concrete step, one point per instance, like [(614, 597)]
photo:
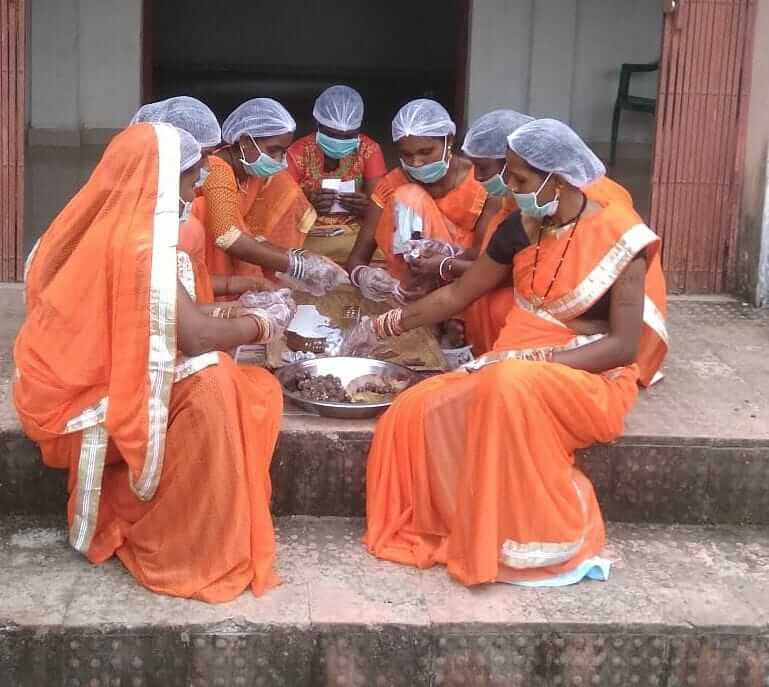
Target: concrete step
[(696, 449), (685, 605)]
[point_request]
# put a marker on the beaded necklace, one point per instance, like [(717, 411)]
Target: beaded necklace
[(538, 301)]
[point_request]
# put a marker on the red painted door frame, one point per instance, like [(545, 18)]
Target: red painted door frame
[(699, 142), (13, 86)]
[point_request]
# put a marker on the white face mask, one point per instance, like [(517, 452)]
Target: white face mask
[(186, 212)]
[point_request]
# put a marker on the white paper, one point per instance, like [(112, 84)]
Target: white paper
[(309, 323), (340, 187)]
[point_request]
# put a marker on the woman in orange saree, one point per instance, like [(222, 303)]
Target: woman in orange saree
[(255, 214), (486, 147), (433, 196), (337, 151), (475, 469), (196, 118), (119, 380)]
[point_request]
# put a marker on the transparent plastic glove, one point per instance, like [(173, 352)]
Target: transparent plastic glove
[(262, 299), (276, 315), (425, 248), (321, 276), (377, 284), (361, 340)]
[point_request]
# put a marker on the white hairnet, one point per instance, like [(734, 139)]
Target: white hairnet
[(487, 137), (339, 107), (190, 153), (184, 112), (260, 118), (552, 146), (422, 117)]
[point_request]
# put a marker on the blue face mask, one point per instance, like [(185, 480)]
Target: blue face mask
[(527, 202), (496, 186), (337, 148), (264, 165), (431, 172)]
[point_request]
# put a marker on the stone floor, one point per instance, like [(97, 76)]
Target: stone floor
[(684, 606)]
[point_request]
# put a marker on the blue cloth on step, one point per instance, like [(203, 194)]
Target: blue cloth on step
[(595, 568)]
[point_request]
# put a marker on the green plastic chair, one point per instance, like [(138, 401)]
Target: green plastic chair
[(625, 101)]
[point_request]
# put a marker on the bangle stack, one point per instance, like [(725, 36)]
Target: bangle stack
[(223, 312), (263, 329), (389, 324), (354, 275), (296, 264), (542, 355), (446, 261)]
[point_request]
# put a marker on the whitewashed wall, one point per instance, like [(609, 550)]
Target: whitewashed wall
[(85, 67), (549, 57), (561, 58)]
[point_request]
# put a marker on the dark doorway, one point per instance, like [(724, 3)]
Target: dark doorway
[(291, 50)]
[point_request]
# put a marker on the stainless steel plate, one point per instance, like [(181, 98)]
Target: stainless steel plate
[(346, 369)]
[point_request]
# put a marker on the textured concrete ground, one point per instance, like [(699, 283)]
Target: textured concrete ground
[(686, 604), (696, 448), (682, 603)]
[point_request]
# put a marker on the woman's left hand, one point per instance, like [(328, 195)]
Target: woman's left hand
[(426, 265), (355, 203)]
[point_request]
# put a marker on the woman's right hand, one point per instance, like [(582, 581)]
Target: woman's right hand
[(377, 285), (322, 201), (361, 340)]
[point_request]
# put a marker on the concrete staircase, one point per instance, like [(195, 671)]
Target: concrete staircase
[(686, 491)]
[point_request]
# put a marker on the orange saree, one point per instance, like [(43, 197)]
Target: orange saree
[(605, 191), (485, 318), (476, 471), (451, 218), (192, 241), (270, 209), (168, 456)]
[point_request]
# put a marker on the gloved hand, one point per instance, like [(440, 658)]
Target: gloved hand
[(262, 299), (361, 340), (377, 284), (319, 276), (275, 315), (428, 248)]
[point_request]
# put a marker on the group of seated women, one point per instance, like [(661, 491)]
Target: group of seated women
[(189, 240)]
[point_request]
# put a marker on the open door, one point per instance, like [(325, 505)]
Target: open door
[(699, 141), (12, 107)]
